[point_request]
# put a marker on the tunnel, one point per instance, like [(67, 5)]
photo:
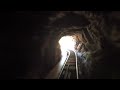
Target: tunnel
[(30, 47)]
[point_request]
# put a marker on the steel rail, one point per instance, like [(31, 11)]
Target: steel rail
[(64, 65)]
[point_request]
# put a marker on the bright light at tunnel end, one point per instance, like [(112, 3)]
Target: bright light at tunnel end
[(67, 43)]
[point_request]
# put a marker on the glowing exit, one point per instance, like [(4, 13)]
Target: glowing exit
[(67, 43)]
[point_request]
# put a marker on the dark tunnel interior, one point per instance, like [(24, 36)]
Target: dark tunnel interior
[(30, 46)]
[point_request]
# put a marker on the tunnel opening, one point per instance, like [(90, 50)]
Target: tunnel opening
[(67, 43), (70, 45)]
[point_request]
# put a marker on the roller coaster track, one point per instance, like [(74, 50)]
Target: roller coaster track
[(70, 68)]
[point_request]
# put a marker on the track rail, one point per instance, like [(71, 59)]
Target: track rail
[(70, 67), (76, 65), (64, 64)]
